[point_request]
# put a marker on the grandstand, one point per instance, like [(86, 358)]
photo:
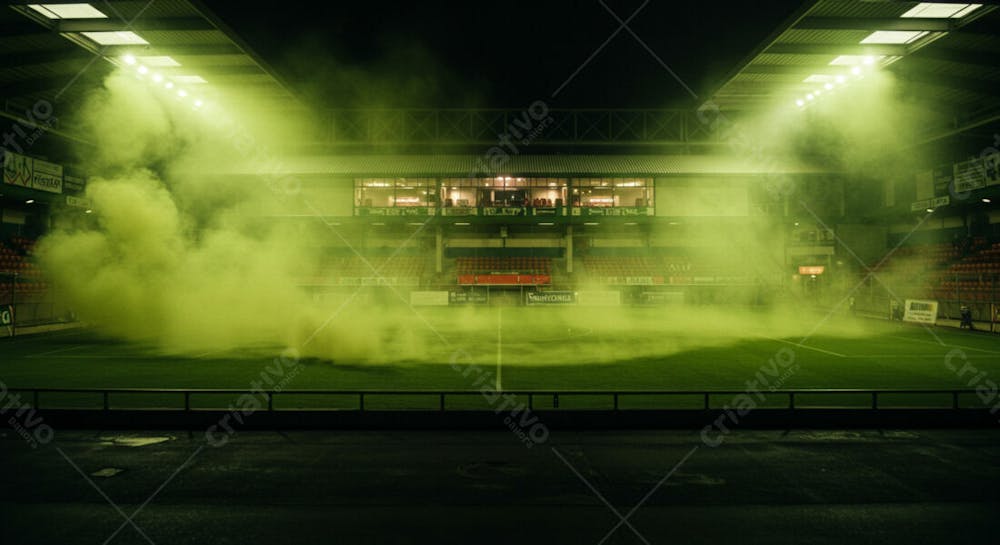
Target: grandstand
[(217, 223)]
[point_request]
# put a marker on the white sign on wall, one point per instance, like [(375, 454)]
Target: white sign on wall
[(32, 173), (921, 311)]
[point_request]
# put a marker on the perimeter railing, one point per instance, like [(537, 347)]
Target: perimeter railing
[(109, 399)]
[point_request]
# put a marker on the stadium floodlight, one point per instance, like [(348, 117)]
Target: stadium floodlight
[(894, 37), (829, 86), (869, 60), (68, 11), (157, 78), (129, 59), (120, 37), (142, 69), (198, 103), (856, 70), (182, 93), (810, 96), (937, 10), (800, 103), (841, 80), (169, 85)]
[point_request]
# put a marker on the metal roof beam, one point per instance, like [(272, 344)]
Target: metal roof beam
[(115, 25), (834, 50), (783, 69), (172, 50), (865, 23)]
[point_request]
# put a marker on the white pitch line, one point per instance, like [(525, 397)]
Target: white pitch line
[(499, 346), (935, 343), (982, 356), (838, 354), (58, 350)]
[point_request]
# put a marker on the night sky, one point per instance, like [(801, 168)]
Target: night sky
[(478, 54)]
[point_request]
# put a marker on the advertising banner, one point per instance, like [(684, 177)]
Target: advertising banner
[(551, 298), (467, 298), (920, 311), (32, 173)]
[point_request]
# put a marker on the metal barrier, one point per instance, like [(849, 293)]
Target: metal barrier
[(533, 397)]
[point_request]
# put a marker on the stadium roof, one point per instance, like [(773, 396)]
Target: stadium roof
[(47, 49), (461, 166), (948, 53)]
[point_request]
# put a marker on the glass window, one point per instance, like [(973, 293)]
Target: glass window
[(460, 192), (394, 192), (374, 192), (609, 192)]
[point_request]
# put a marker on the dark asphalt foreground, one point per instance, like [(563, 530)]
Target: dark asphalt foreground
[(486, 487)]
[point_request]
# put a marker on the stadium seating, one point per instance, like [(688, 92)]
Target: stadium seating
[(521, 265), (355, 270), (613, 267), (16, 258)]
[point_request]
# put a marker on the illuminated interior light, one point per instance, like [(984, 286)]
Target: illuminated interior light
[(182, 93), (936, 10), (169, 85), (121, 37), (828, 86), (157, 78), (68, 11), (810, 96), (856, 70), (129, 59), (897, 37), (841, 79), (142, 69), (800, 103)]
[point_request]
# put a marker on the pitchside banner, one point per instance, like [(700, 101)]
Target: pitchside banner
[(32, 173), (551, 297), (6, 315), (920, 311)]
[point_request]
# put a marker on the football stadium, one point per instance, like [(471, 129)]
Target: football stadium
[(203, 252)]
